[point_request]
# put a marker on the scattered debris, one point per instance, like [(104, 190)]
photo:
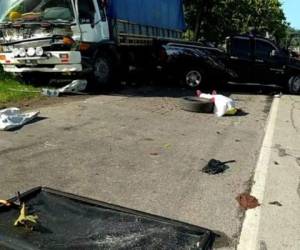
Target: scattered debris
[(223, 105), (216, 167), (167, 146), (154, 154), (276, 203), (5, 203), (13, 118), (276, 163), (28, 221), (247, 201), (148, 139), (74, 87), (298, 161), (49, 145), (263, 245)]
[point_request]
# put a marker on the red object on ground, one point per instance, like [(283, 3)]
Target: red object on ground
[(247, 201)]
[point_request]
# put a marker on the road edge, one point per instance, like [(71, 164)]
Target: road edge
[(250, 227)]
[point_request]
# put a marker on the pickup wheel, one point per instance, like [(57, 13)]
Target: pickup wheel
[(294, 85), (102, 72), (193, 78)]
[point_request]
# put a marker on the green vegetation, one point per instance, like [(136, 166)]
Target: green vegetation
[(214, 20), (12, 90)]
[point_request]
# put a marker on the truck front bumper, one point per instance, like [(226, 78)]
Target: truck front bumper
[(54, 62)]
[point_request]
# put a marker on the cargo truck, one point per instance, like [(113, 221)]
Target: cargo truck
[(101, 40)]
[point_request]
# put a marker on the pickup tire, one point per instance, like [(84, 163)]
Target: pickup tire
[(103, 70), (294, 85), (193, 77)]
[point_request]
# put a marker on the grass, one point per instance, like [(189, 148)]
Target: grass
[(12, 91)]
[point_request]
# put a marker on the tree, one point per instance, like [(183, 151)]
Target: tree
[(213, 20)]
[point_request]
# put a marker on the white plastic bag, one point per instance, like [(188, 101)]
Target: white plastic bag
[(223, 104), (12, 118)]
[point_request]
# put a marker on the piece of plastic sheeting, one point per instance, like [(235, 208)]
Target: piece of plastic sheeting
[(74, 87), (166, 14), (11, 118), (66, 222)]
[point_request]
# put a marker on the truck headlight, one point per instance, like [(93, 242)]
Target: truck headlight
[(30, 52), (22, 52), (16, 52), (39, 51)]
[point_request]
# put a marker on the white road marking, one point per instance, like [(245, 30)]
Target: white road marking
[(249, 234)]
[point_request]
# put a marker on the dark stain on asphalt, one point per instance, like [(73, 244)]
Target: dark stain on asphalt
[(275, 203), (148, 139), (263, 245), (281, 151), (298, 189), (298, 161), (292, 115)]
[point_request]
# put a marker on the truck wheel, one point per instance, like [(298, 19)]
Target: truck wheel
[(294, 85), (103, 72), (193, 78)]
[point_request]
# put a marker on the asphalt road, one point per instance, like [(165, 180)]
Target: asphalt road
[(138, 149)]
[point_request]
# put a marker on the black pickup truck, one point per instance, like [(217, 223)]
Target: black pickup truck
[(259, 60)]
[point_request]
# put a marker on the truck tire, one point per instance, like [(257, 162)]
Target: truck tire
[(102, 72), (193, 78), (294, 85)]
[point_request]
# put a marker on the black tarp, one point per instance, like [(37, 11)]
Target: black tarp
[(71, 222)]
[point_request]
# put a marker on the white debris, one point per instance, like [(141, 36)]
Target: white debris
[(13, 118), (74, 87), (223, 104)]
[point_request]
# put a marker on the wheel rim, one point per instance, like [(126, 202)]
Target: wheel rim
[(296, 84), (193, 78), (101, 70)]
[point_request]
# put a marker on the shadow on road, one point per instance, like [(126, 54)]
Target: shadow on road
[(169, 90)]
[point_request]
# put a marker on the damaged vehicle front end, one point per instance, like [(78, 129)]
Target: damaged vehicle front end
[(40, 36)]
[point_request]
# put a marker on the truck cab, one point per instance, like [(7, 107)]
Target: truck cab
[(49, 36), (260, 60), (95, 39)]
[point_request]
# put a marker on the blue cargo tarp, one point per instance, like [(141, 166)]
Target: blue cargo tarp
[(166, 14)]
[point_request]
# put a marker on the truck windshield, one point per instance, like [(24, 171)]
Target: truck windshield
[(36, 10)]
